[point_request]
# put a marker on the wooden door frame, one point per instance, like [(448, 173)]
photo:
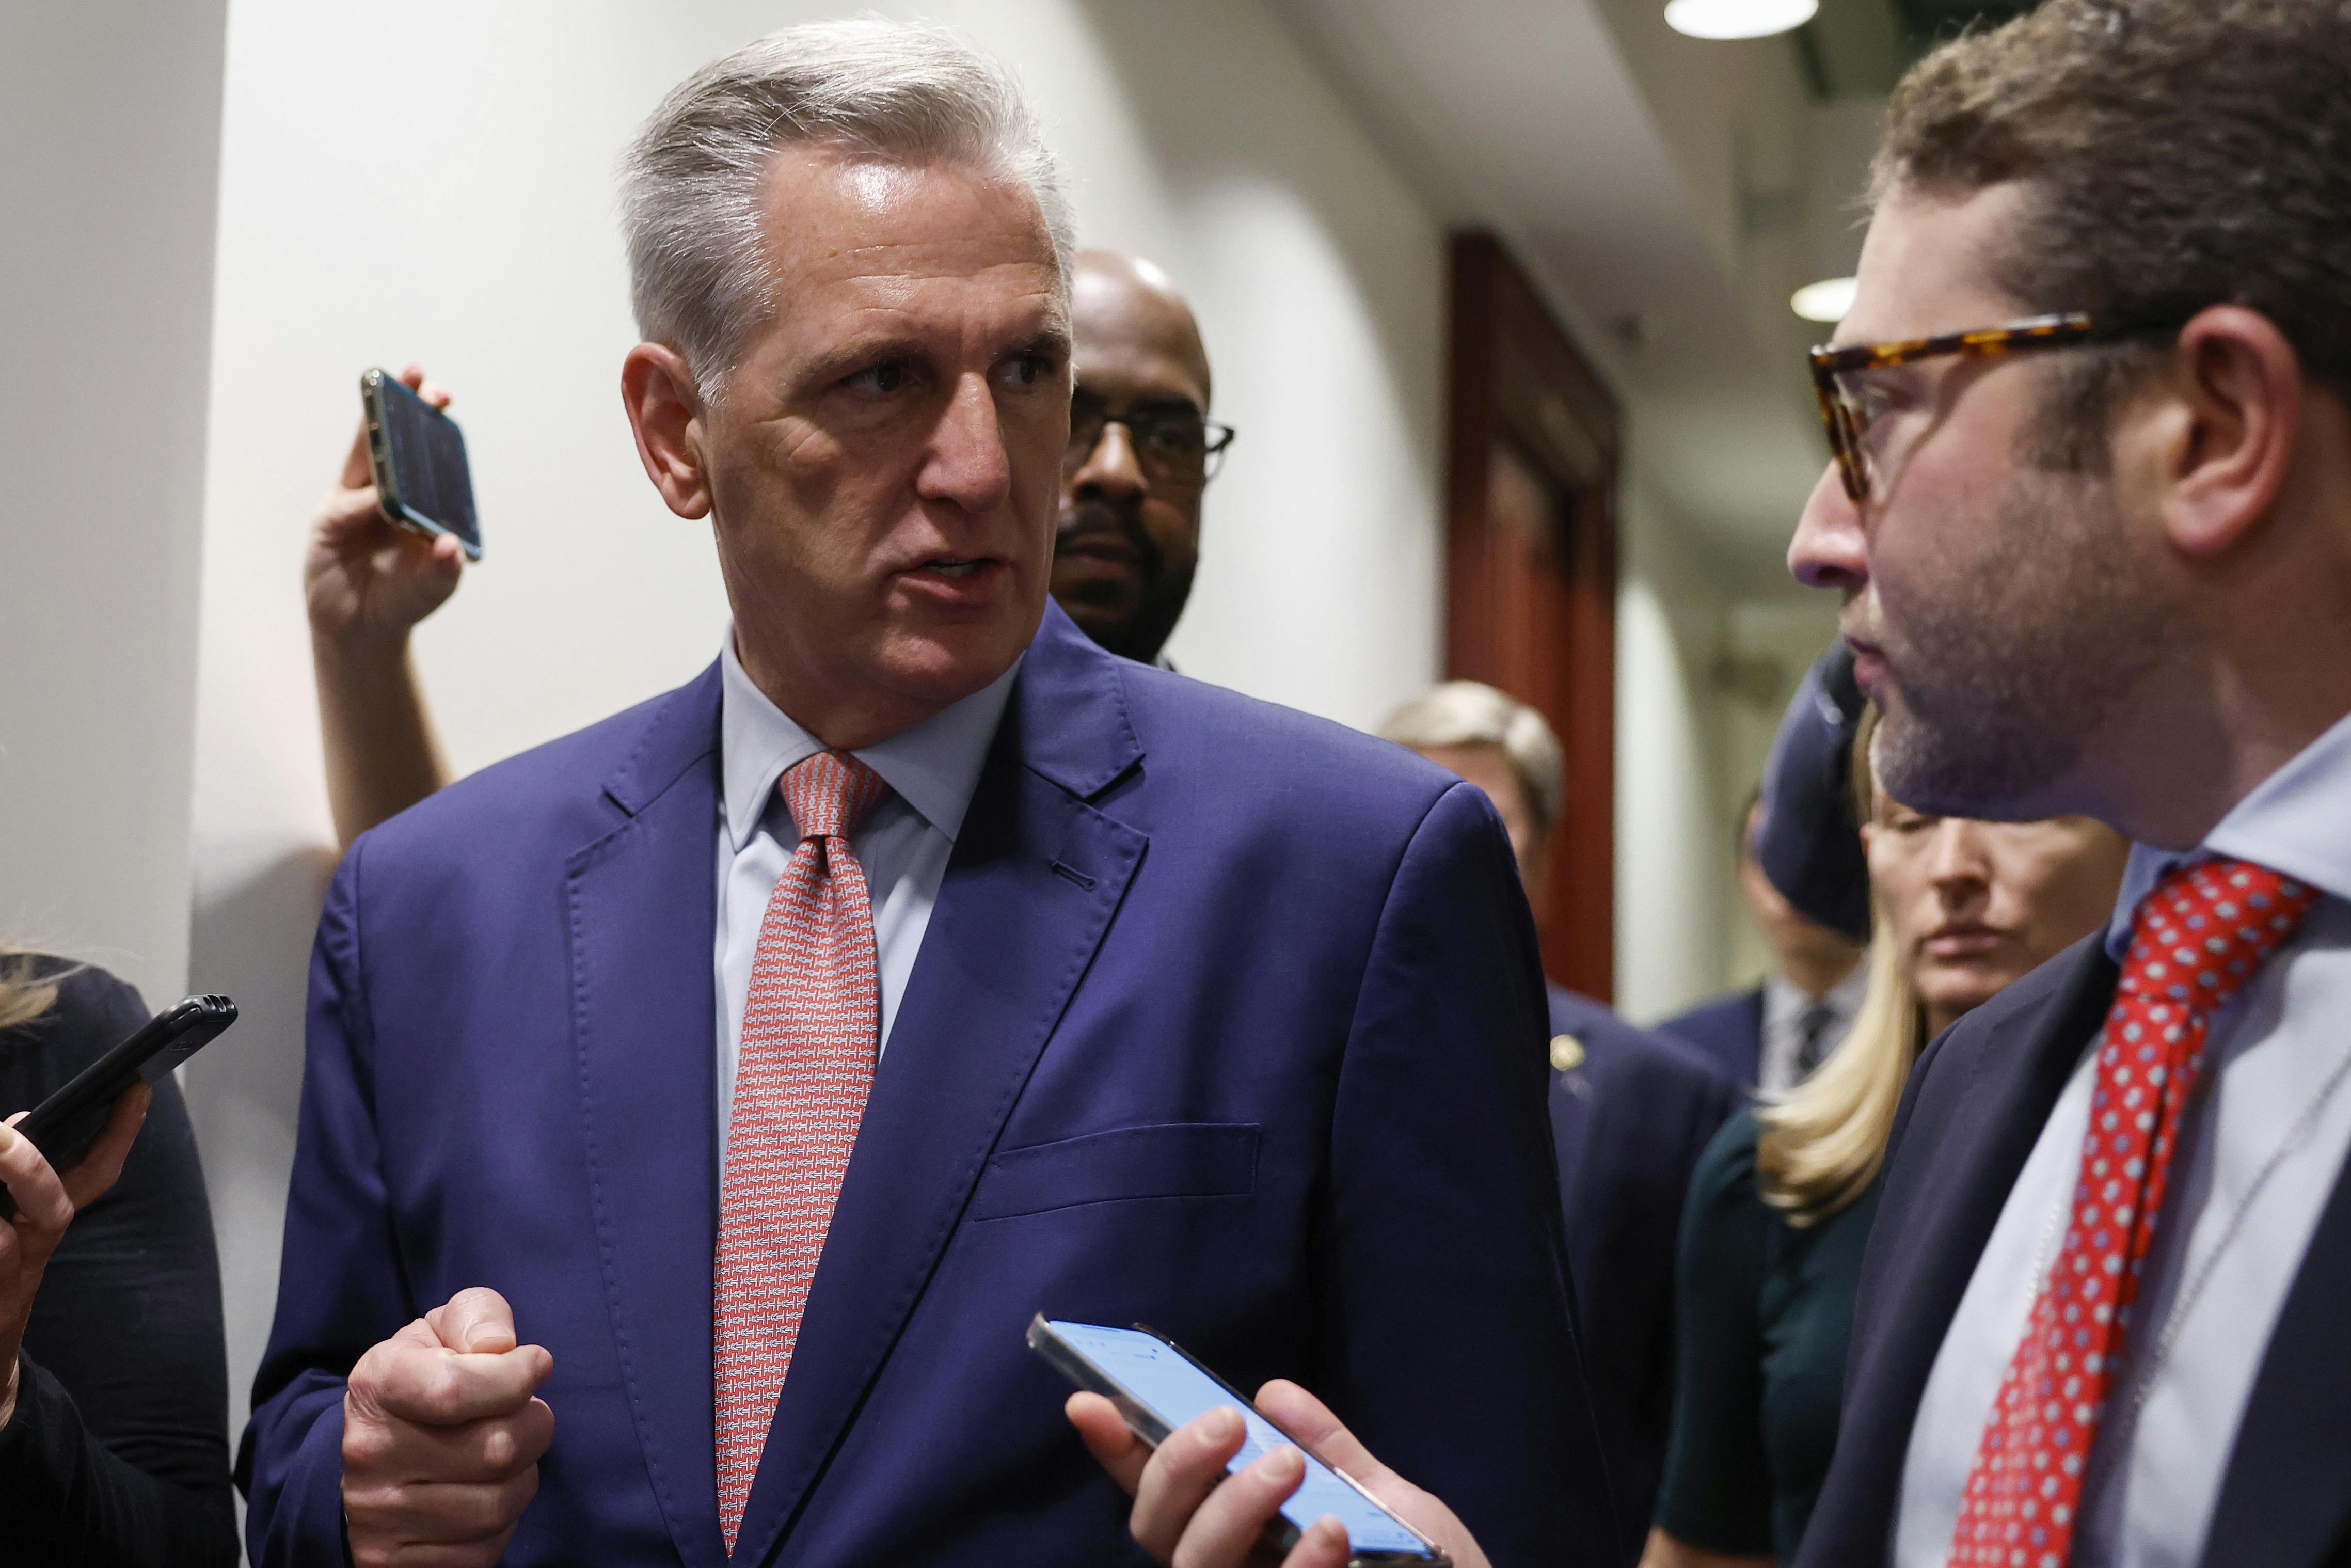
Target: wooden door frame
[(1516, 376)]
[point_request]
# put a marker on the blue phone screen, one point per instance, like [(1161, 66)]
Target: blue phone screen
[(1178, 1391)]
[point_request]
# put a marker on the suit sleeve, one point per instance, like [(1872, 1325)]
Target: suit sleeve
[(340, 1286), (1447, 1333)]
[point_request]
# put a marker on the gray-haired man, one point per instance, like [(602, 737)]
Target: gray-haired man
[(1631, 1112), (769, 1053)]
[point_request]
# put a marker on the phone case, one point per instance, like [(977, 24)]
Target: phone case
[(1145, 1424), (373, 392)]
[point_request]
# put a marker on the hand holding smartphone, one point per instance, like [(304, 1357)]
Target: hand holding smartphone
[(64, 1125), (417, 455), (1157, 1388)]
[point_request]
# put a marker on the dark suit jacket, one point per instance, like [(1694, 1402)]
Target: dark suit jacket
[(1227, 1021), (1976, 1103), (1729, 1030), (1629, 1126)]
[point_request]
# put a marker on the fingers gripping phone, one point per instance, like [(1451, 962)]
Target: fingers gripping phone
[(418, 456), (1158, 1388), (64, 1125)]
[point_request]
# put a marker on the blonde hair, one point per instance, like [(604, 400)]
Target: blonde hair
[(1824, 1141), (25, 993)]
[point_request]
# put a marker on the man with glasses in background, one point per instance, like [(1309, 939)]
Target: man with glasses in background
[(2091, 514), (1142, 451)]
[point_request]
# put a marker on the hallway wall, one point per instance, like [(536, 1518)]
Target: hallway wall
[(106, 269)]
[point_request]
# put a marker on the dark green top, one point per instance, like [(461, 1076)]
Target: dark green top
[(1766, 1315)]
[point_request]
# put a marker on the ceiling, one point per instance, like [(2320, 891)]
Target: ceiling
[(1667, 195), (1532, 123)]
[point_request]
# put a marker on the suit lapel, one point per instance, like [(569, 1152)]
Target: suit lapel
[(1037, 876), (2284, 1502), (1985, 1109), (642, 903)]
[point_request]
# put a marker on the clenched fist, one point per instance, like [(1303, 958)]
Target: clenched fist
[(443, 1433)]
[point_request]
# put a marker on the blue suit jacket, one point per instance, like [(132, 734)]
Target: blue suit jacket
[(1628, 1126), (1729, 1030), (1975, 1106), (1227, 1021)]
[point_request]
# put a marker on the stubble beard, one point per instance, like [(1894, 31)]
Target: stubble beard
[(1161, 589), (2007, 678)]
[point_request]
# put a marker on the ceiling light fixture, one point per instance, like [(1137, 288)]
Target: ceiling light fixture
[(1827, 300), (1738, 18)]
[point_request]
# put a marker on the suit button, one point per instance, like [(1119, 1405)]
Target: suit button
[(1566, 1052)]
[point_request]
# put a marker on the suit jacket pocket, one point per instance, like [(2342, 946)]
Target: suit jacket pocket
[(1200, 1159)]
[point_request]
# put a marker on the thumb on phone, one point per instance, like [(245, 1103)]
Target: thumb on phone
[(1309, 1421)]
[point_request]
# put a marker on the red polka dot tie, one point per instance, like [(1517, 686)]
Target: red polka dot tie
[(2196, 941), (812, 1027)]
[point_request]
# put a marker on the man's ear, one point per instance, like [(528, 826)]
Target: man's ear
[(2215, 449), (665, 412)]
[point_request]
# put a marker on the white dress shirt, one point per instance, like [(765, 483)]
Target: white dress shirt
[(903, 845), (2274, 1098), (1784, 1007)]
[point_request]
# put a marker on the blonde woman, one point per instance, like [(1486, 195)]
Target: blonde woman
[(113, 1372), (1782, 1203)]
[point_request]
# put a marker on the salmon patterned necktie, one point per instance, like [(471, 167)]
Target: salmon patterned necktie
[(2196, 941), (812, 1027)]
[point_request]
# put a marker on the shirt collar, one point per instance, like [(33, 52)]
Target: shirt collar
[(2297, 821), (1783, 1000), (933, 766)]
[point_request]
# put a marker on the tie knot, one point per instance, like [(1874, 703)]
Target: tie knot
[(831, 794), (2207, 929)]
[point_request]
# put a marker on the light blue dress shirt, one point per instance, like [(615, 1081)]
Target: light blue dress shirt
[(2275, 1098), (902, 846)]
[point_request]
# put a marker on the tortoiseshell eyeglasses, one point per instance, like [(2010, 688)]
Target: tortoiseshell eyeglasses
[(1845, 408)]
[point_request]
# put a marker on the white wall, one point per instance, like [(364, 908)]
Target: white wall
[(1704, 676), (1672, 861), (431, 180), (109, 113)]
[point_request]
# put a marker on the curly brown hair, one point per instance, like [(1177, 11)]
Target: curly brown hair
[(2177, 154)]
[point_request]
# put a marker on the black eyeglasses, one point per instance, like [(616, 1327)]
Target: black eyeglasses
[(1174, 445), (1847, 411)]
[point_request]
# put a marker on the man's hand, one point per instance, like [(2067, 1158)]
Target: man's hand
[(367, 580), (441, 1437), (1190, 1514), (46, 1203)]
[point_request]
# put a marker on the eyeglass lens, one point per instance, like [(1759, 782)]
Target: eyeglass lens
[(1169, 444)]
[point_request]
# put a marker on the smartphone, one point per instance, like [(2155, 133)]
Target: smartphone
[(418, 454), (1158, 1388), (64, 1125)]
